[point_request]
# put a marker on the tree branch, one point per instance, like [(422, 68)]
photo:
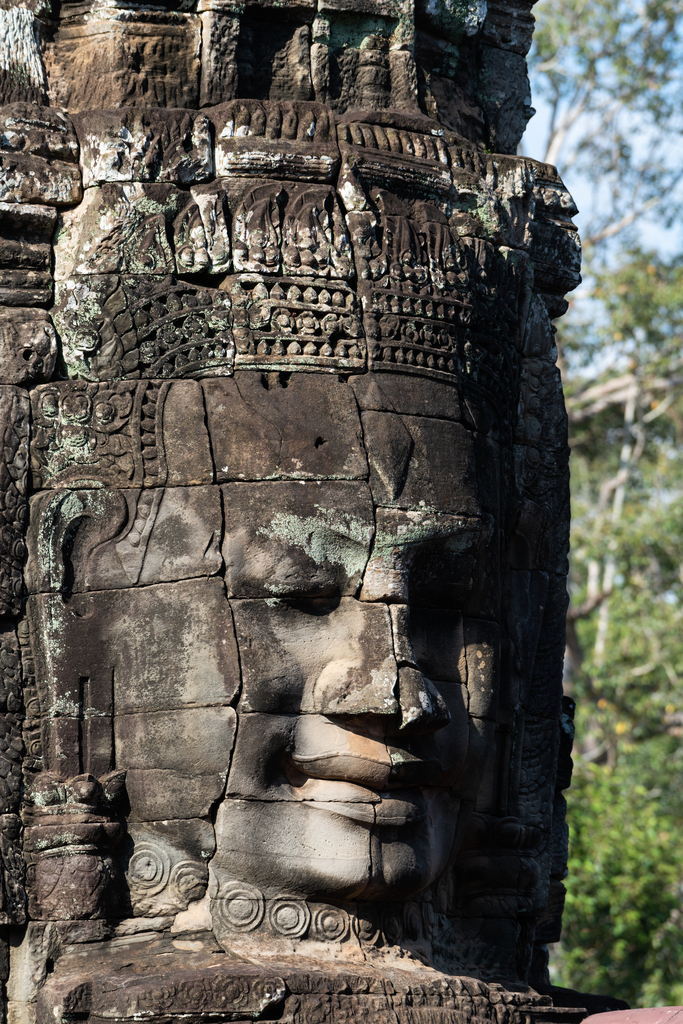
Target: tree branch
[(613, 229), (586, 608)]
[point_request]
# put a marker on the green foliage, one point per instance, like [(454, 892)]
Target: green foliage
[(611, 75), (642, 300), (623, 926), (602, 50), (623, 929), (632, 316)]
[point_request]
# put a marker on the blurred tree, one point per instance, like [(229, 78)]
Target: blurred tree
[(623, 932), (630, 892), (611, 74)]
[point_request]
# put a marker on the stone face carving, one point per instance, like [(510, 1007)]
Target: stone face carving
[(285, 516)]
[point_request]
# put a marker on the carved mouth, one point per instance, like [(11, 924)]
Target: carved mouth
[(345, 768), (360, 803), (389, 811), (405, 807)]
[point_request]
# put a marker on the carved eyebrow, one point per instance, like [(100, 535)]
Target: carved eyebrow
[(424, 528)]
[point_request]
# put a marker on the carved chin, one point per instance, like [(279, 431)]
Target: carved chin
[(408, 857), (347, 851)]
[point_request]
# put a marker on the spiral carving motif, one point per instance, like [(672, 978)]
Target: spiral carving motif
[(331, 924), (392, 927), (189, 878), (149, 868), (289, 917), (412, 921), (239, 907), (365, 926)]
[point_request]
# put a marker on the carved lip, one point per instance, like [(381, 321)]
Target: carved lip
[(347, 767), (405, 807), (365, 772), (362, 804), (363, 813), (388, 811)]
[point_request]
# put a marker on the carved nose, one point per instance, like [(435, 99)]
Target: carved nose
[(351, 688), (393, 690), (401, 696), (423, 709)]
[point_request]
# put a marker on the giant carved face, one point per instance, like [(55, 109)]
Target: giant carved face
[(304, 638), (295, 530)]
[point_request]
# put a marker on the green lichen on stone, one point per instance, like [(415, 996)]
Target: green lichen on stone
[(457, 533), (332, 536), (355, 33), (453, 19)]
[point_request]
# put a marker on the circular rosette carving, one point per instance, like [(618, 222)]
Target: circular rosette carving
[(412, 921), (289, 917), (331, 924), (239, 907), (189, 878), (392, 926), (149, 869), (366, 926)]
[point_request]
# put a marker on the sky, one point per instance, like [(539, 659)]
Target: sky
[(652, 234)]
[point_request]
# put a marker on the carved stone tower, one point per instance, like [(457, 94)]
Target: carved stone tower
[(285, 498)]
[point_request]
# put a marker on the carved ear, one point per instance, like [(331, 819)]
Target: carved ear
[(66, 528)]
